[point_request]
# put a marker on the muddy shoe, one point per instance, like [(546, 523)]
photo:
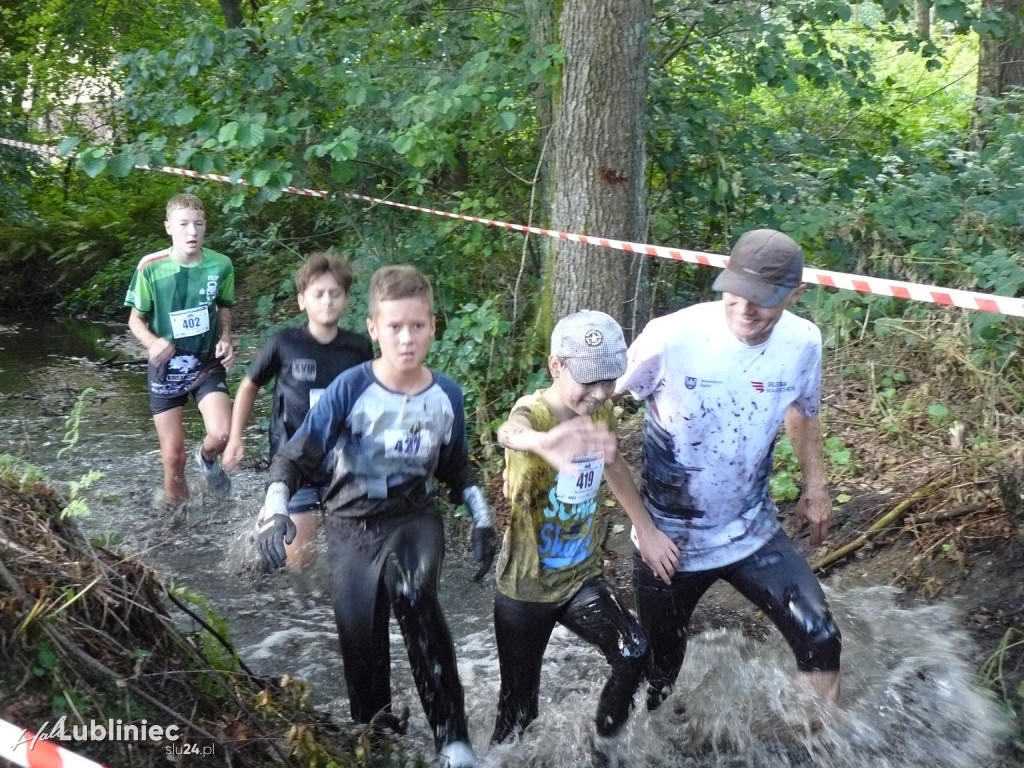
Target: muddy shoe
[(387, 721), (175, 511), (217, 480), (656, 695)]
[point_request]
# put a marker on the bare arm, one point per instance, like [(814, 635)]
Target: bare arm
[(245, 398), (225, 350), (657, 550), (814, 508), (158, 349)]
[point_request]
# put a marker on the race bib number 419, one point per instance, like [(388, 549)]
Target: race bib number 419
[(573, 488)]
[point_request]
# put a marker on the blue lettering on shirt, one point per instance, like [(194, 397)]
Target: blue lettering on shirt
[(567, 538)]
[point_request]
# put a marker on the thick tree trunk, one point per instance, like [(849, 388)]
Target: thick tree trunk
[(599, 156), (923, 15), (232, 10), (1000, 61)]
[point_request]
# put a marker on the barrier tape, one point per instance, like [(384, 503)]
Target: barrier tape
[(17, 746), (931, 294)]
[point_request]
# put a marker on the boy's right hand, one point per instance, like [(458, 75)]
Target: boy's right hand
[(575, 439), (160, 351), (233, 454), (277, 531)]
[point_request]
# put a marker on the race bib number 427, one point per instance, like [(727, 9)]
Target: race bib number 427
[(399, 444)]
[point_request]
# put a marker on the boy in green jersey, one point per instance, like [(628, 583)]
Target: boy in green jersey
[(180, 299)]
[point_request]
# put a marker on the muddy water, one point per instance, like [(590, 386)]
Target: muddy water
[(909, 697)]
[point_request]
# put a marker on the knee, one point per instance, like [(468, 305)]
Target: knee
[(633, 656), (410, 587), (819, 648), (216, 443), (302, 556)]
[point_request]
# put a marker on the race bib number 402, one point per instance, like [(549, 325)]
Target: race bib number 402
[(190, 322)]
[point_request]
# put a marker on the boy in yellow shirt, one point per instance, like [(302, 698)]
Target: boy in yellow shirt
[(560, 442)]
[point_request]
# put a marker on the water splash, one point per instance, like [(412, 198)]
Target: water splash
[(909, 700)]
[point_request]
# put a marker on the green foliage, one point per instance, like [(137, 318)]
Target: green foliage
[(784, 482), (73, 421), (222, 659), (476, 351), (282, 101), (77, 506), (78, 249), (46, 660), (996, 671), (24, 476)]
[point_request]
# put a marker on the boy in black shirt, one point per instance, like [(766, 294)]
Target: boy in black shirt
[(302, 361)]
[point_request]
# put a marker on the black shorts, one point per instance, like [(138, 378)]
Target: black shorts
[(214, 381)]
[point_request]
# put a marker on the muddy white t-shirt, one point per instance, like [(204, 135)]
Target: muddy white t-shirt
[(714, 408)]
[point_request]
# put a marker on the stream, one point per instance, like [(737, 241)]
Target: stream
[(909, 696)]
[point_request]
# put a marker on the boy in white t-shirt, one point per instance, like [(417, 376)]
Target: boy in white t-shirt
[(720, 379)]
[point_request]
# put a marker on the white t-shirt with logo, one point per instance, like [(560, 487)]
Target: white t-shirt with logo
[(714, 408)]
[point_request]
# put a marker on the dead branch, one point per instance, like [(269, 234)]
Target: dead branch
[(885, 520)]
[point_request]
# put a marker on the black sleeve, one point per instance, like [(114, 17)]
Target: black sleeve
[(267, 363)]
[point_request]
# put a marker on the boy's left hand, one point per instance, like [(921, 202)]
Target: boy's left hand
[(225, 352), (483, 549)]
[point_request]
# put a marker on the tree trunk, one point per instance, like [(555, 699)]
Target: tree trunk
[(1000, 62), (232, 10), (923, 14), (599, 156)]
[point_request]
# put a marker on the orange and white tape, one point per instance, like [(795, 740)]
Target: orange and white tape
[(21, 747), (931, 294)]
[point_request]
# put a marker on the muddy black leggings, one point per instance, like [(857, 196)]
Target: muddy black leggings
[(776, 578), (386, 562), (594, 613)]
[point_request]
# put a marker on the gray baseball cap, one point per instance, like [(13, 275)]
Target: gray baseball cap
[(764, 266), (591, 344)]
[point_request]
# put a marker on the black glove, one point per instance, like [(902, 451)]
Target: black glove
[(483, 549), (274, 534)]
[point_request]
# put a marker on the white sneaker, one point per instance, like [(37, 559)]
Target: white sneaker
[(458, 754)]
